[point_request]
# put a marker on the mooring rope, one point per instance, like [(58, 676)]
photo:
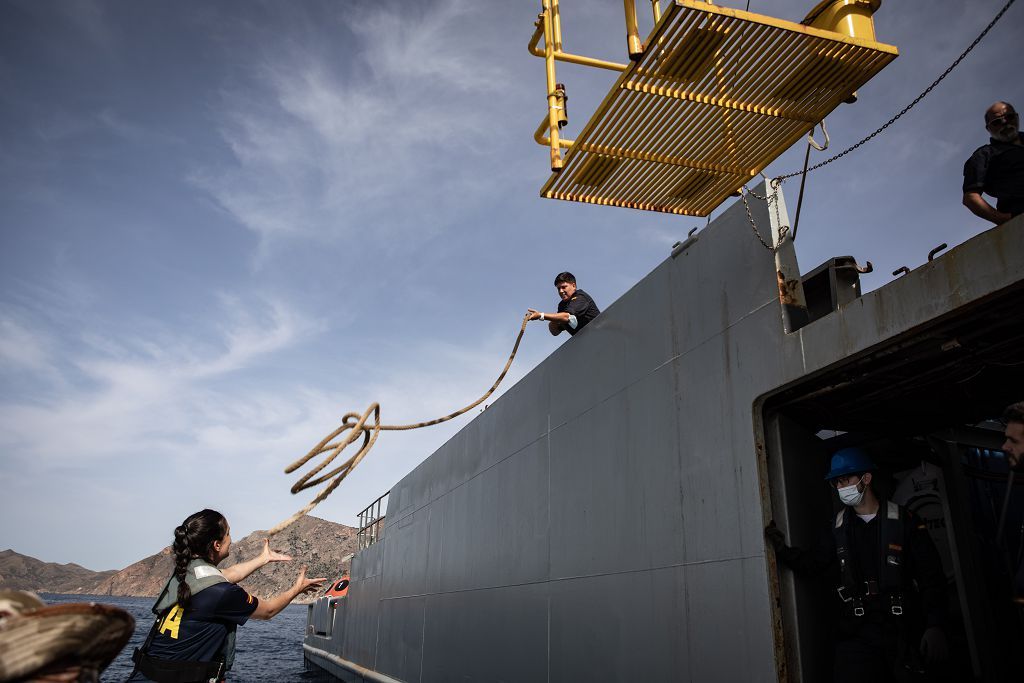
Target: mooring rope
[(356, 426)]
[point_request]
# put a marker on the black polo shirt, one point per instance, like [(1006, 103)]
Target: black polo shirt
[(580, 305), (997, 169)]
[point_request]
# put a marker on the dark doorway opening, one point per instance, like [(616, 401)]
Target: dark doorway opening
[(926, 407)]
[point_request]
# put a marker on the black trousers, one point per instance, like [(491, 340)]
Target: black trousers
[(876, 652)]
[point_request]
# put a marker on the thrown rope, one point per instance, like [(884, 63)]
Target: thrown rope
[(356, 426)]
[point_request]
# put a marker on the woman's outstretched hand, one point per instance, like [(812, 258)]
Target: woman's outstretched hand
[(238, 572), (267, 608), (304, 585), (269, 555)]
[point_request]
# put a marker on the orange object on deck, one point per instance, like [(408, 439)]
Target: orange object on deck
[(339, 588)]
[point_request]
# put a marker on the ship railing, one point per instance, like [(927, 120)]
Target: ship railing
[(371, 522)]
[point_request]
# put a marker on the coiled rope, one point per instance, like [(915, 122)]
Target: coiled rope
[(353, 426)]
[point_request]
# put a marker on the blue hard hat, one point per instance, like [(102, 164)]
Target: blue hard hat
[(849, 461)]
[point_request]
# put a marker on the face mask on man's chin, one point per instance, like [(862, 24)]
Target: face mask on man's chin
[(851, 495)]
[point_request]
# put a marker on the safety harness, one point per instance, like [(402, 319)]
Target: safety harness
[(199, 576), (855, 591)]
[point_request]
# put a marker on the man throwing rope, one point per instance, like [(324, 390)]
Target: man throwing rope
[(575, 309), (997, 169)]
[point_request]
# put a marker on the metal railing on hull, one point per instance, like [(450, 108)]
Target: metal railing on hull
[(371, 522)]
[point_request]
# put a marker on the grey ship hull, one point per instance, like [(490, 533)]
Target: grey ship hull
[(603, 520)]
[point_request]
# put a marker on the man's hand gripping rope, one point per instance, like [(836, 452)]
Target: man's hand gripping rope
[(353, 427)]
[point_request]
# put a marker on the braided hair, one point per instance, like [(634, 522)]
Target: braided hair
[(195, 538)]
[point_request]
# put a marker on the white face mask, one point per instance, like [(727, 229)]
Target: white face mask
[(850, 495)]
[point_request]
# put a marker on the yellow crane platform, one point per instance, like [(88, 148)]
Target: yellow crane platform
[(715, 96)]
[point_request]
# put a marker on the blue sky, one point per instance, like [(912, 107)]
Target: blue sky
[(224, 225)]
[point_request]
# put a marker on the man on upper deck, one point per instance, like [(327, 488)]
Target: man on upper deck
[(997, 169), (575, 309)]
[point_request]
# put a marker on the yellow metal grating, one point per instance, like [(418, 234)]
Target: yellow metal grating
[(717, 96)]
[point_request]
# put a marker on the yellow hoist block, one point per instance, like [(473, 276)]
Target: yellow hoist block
[(717, 95)]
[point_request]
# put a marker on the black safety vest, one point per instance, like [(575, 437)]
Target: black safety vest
[(854, 591)]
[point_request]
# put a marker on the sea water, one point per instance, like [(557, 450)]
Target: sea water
[(265, 650)]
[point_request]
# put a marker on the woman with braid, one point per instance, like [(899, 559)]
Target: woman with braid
[(198, 610)]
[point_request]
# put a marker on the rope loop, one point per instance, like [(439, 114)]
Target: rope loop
[(355, 426)]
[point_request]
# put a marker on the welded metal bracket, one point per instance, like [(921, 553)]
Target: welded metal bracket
[(787, 270)]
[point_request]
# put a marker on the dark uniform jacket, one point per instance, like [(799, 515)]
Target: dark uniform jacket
[(923, 580), (997, 169), (580, 305)]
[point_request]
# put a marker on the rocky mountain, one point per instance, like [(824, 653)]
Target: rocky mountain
[(320, 545), (311, 541), (145, 577), (21, 572)]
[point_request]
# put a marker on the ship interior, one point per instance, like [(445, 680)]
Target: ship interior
[(926, 406)]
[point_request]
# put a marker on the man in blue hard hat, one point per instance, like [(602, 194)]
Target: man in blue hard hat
[(890, 587)]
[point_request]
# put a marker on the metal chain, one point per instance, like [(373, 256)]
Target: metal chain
[(753, 225), (767, 196), (911, 105), (772, 198)]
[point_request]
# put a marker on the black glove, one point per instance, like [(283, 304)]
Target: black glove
[(774, 535), (933, 645)]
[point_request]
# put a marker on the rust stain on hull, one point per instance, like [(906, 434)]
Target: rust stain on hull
[(789, 292)]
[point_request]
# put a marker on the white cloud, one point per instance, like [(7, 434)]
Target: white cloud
[(124, 128), (421, 50), (325, 149), (146, 394), (248, 338), (22, 349), (187, 399), (161, 413)]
